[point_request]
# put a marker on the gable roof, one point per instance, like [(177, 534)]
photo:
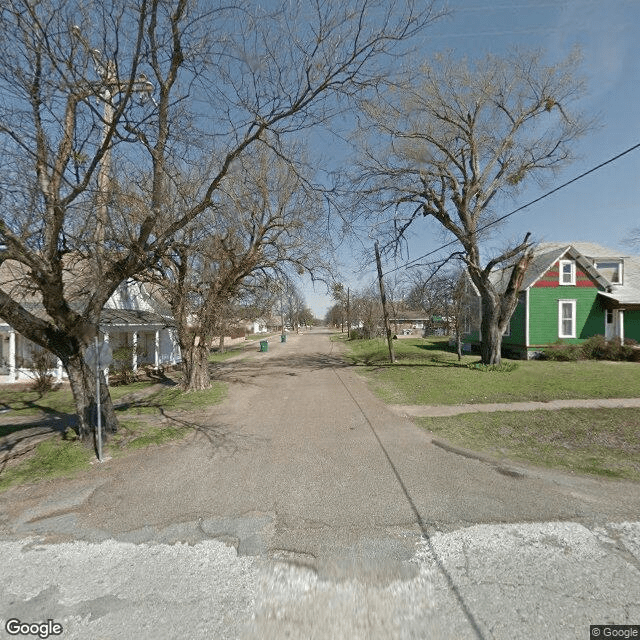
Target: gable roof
[(546, 254), (626, 293), (585, 254), (130, 305)]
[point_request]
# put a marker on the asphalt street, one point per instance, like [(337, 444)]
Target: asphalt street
[(302, 507)]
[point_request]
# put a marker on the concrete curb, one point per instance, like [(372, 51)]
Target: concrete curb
[(498, 465)]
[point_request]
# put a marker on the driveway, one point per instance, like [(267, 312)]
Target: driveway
[(302, 507)]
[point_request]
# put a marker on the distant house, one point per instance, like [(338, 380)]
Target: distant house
[(260, 325), (132, 318), (571, 292), (421, 323)]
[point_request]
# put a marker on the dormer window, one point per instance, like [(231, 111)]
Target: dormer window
[(610, 269), (567, 272)]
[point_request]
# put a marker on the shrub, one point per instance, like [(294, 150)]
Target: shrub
[(42, 363), (503, 367), (595, 348), (598, 348), (122, 366), (632, 350), (562, 353)]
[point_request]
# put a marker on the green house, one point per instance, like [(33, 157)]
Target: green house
[(571, 291)]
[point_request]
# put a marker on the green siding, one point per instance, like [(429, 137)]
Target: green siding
[(543, 314), (632, 325), (517, 336)]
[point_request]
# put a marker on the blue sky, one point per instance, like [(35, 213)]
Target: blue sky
[(605, 205)]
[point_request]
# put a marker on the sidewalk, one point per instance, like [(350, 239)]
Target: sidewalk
[(439, 411)]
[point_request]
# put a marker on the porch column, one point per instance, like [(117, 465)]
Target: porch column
[(59, 370), (157, 350), (621, 325), (12, 355), (134, 363)]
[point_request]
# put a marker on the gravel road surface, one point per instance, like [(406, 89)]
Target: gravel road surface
[(302, 507)]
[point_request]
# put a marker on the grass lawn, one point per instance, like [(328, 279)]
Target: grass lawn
[(137, 434), (141, 424), (596, 441), (427, 372), (221, 357), (52, 458), (173, 398), (31, 403)]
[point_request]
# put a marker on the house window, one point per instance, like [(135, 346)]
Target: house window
[(566, 318), (567, 272), (611, 270), (507, 331)]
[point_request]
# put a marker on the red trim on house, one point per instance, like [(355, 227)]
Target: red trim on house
[(583, 280), (552, 279)]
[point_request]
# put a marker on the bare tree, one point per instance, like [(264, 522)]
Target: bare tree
[(293, 304), (223, 79), (339, 311), (461, 137), (424, 292), (395, 291), (265, 221), (367, 311), (335, 315)]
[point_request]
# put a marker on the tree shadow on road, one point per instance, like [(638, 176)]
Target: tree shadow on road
[(219, 436), (245, 371)]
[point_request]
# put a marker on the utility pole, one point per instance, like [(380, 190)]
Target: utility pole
[(282, 312), (108, 88), (385, 314), (348, 314)]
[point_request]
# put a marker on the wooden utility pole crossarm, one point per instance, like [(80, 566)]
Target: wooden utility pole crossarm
[(385, 313)]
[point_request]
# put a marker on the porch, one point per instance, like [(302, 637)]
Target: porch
[(148, 339)]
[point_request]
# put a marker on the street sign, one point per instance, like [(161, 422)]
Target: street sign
[(100, 357)]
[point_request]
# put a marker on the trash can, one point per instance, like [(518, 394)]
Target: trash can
[(264, 345), (283, 337)]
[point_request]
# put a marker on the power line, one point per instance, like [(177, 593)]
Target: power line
[(524, 206)]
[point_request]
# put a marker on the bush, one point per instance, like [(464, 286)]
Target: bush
[(597, 348), (503, 367), (42, 363), (122, 366), (562, 353), (594, 348), (632, 349)]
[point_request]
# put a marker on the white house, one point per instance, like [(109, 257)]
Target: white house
[(131, 318)]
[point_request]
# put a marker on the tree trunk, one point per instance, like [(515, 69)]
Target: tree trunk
[(221, 343), (497, 308), (491, 345), (195, 360), (83, 387)]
